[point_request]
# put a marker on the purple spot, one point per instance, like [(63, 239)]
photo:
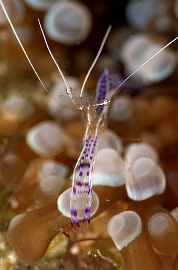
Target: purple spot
[(87, 214), (79, 184), (74, 190), (74, 218)]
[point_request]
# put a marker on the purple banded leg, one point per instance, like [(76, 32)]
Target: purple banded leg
[(88, 182), (73, 210), (82, 185), (86, 190), (88, 206), (83, 157), (74, 219), (77, 185), (87, 213), (79, 182), (102, 89)]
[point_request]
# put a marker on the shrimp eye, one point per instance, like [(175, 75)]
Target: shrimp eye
[(106, 102), (69, 91)]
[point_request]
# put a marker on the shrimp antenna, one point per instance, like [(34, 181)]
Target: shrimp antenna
[(114, 90), (96, 58), (13, 29), (52, 56)]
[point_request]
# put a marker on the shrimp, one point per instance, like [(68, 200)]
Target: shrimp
[(94, 115)]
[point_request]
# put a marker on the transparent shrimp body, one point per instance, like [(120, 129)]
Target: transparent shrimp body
[(96, 116)]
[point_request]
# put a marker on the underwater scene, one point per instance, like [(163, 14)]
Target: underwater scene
[(88, 135)]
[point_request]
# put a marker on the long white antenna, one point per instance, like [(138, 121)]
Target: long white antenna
[(13, 29), (96, 58), (114, 90), (54, 60)]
